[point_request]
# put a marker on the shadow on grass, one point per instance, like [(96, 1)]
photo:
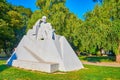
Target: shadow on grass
[(3, 67), (99, 58)]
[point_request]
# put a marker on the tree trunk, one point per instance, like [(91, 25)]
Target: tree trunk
[(5, 48), (118, 55), (118, 58)]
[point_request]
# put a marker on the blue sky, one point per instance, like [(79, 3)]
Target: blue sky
[(78, 7)]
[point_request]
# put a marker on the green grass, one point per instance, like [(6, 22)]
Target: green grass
[(97, 58), (88, 73)]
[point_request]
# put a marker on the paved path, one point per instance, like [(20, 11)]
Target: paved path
[(111, 64)]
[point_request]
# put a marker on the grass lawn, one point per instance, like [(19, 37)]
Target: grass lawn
[(97, 58), (88, 73)]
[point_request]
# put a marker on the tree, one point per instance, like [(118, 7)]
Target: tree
[(6, 35), (104, 19), (12, 24)]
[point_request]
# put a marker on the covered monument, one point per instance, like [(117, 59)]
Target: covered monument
[(42, 50)]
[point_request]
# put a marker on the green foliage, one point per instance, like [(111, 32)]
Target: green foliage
[(101, 27), (6, 35), (13, 22), (15, 19), (5, 31), (24, 11)]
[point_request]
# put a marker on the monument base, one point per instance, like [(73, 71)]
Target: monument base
[(39, 66)]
